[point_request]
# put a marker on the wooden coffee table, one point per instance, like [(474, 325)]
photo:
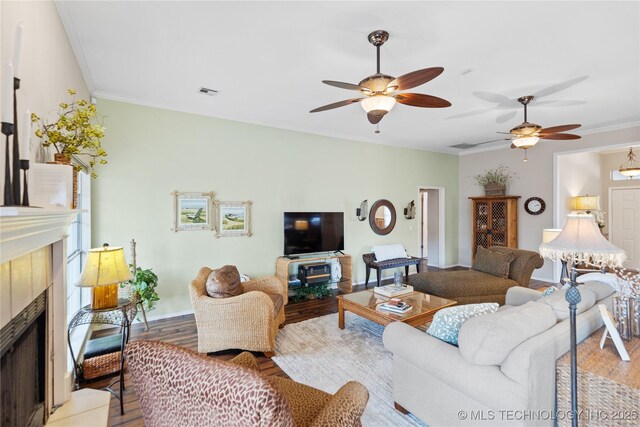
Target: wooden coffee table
[(365, 304)]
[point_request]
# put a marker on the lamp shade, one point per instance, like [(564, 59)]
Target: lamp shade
[(580, 241), (548, 234), (378, 103), (105, 266), (585, 203), (525, 141)]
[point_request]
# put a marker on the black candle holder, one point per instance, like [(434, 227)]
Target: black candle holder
[(16, 147), (7, 130), (24, 165)]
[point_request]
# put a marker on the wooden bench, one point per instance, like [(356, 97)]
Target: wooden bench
[(370, 262)]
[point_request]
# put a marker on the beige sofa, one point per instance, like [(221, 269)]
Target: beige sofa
[(435, 383)]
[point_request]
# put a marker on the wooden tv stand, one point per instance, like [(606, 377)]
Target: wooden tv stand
[(283, 267)]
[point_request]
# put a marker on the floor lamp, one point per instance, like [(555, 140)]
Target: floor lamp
[(580, 242)]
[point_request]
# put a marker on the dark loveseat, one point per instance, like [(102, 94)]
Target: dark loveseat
[(471, 286)]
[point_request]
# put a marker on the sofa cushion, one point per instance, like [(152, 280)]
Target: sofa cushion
[(488, 339), (224, 282), (493, 263), (450, 284), (560, 305), (277, 300), (602, 290), (447, 322)]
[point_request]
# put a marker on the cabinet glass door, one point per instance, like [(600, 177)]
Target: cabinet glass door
[(482, 224), (499, 223)]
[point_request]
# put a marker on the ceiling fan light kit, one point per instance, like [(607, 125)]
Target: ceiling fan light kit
[(380, 91), (631, 167)]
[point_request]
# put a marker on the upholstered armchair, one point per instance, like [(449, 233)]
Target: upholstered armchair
[(178, 387), (248, 321)]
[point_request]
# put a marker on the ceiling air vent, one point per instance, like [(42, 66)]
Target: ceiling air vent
[(463, 146), (207, 91)]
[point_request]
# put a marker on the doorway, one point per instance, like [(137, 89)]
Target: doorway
[(432, 225), (624, 222)]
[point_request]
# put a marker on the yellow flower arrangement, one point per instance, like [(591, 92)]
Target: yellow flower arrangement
[(76, 132)]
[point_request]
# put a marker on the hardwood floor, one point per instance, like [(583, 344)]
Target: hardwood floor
[(182, 331)]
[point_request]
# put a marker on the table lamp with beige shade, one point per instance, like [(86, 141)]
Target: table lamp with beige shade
[(104, 270), (586, 203), (579, 242)]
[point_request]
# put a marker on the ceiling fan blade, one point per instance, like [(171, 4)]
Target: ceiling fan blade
[(560, 136), (374, 119), (420, 100), (558, 129), (343, 85), (415, 78), (336, 105)]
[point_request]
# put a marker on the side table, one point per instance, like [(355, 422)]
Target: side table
[(608, 388), (117, 316)]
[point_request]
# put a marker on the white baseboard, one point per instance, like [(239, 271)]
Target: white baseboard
[(162, 316)]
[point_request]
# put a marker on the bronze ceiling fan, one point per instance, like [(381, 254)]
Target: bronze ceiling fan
[(527, 134), (380, 92)]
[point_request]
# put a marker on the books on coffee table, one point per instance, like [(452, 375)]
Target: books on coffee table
[(391, 290), (400, 307)]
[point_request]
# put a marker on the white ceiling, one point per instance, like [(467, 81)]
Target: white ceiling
[(268, 60)]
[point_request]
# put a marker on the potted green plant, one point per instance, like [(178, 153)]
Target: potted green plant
[(75, 132), (495, 180), (144, 283)]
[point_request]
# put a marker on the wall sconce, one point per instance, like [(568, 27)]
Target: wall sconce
[(585, 203), (410, 210), (362, 211)]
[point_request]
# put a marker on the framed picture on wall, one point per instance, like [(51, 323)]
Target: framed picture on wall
[(233, 219), (192, 211)]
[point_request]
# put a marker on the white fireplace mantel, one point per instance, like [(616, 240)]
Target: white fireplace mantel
[(24, 230)]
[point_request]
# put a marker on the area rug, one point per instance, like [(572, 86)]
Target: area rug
[(317, 353)]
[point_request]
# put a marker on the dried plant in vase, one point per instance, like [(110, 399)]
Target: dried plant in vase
[(495, 180), (76, 132)]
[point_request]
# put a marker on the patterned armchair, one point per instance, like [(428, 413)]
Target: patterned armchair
[(178, 387), (248, 322)]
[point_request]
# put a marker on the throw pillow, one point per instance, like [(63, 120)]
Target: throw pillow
[(488, 339), (493, 263), (447, 322), (549, 291), (385, 252), (224, 282), (560, 305)]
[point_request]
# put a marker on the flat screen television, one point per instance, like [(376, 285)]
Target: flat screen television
[(309, 232)]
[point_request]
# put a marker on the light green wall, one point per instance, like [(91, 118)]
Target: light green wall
[(153, 152)]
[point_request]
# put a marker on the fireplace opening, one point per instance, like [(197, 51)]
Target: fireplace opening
[(22, 369)]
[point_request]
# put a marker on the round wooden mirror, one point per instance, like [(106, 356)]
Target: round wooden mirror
[(382, 217)]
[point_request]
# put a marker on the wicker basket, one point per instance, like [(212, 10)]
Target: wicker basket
[(102, 365), (494, 190)]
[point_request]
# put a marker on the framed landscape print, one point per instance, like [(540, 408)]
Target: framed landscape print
[(192, 211), (233, 219)]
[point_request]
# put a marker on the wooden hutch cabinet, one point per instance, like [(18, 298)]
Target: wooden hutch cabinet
[(495, 222)]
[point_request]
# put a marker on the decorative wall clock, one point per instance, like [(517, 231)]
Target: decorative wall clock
[(534, 206)]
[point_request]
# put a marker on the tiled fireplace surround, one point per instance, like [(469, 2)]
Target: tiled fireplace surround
[(33, 260)]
